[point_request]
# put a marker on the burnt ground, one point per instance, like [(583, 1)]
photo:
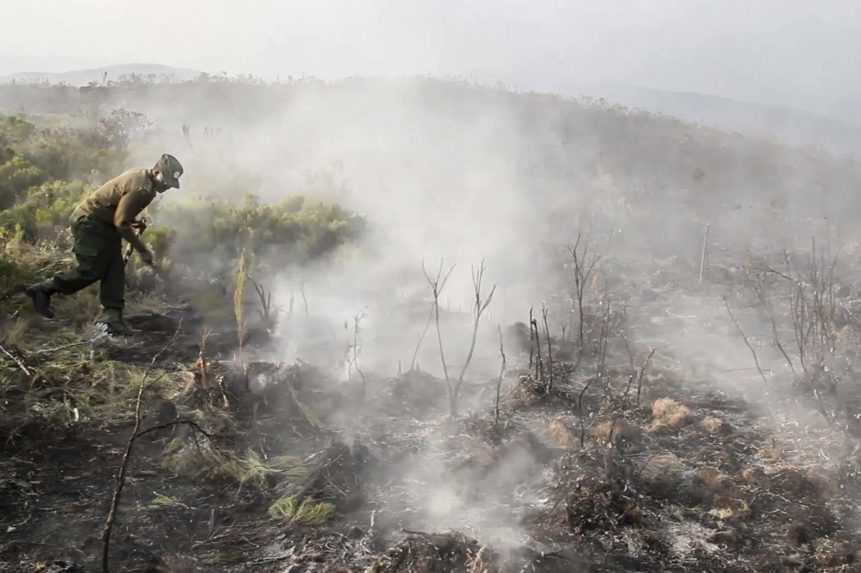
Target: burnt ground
[(711, 469)]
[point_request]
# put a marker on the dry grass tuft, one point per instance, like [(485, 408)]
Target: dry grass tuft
[(562, 434), (754, 476), (250, 470), (714, 425), (712, 479), (772, 453), (727, 507), (668, 414), (307, 512)]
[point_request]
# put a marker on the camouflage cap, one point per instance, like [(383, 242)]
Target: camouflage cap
[(170, 168)]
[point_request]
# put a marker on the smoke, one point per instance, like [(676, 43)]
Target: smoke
[(451, 174), (448, 174)]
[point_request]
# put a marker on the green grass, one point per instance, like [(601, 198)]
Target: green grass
[(307, 512), (248, 470)]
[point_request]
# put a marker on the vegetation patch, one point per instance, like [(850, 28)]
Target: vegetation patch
[(668, 414), (306, 512), (250, 469)]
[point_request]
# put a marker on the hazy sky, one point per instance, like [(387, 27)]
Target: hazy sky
[(792, 52)]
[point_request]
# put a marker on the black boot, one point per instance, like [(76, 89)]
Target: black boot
[(112, 321), (40, 294)]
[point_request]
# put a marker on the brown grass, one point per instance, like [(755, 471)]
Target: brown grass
[(729, 507), (668, 414), (713, 479), (561, 434), (754, 476), (714, 425)]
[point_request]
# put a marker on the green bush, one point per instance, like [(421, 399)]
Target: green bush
[(44, 174), (307, 512), (15, 130), (62, 153), (16, 176), (43, 212), (293, 231)]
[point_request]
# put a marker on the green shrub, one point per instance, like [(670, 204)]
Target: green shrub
[(15, 130), (305, 513), (44, 174), (61, 153), (293, 231), (16, 176), (43, 212)]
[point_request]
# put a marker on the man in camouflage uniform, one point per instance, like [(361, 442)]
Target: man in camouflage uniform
[(99, 224)]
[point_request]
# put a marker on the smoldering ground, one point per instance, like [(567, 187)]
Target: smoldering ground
[(457, 173), (453, 174)]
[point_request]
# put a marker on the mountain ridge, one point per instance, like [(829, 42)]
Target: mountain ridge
[(81, 77)]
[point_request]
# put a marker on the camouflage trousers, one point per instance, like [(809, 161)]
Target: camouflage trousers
[(98, 250)]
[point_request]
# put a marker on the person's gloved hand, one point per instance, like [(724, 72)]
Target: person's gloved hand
[(147, 257)]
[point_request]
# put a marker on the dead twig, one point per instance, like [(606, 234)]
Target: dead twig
[(531, 340), (601, 366), (746, 341), (501, 372), (437, 284), (264, 299), (544, 314), (584, 265), (17, 361), (72, 344), (355, 351), (479, 306), (704, 253), (422, 338), (769, 311), (535, 335), (121, 475), (642, 373), (171, 424), (580, 412)]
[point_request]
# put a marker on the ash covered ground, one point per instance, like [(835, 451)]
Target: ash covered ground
[(677, 390)]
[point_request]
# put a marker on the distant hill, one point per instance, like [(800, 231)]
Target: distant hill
[(405, 150), (786, 125), (99, 75), (838, 131)]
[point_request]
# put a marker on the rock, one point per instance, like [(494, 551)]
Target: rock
[(663, 475)]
